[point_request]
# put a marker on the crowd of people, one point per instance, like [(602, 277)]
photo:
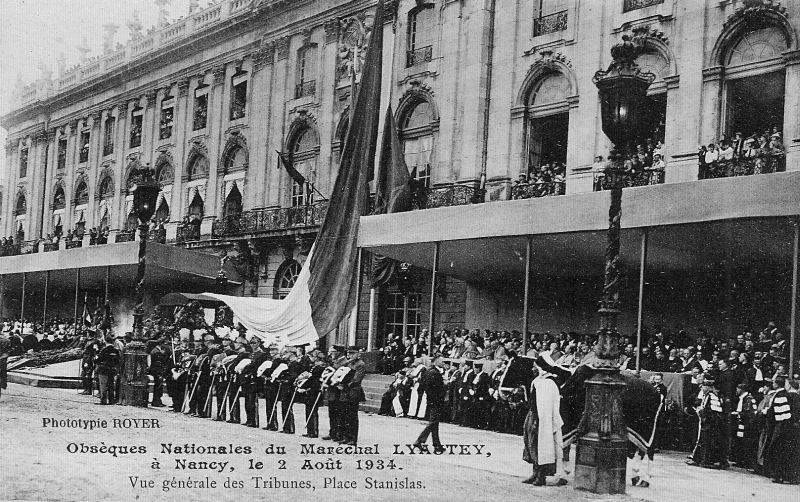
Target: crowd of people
[(645, 166), (24, 336), (759, 153), (747, 374), (549, 178)]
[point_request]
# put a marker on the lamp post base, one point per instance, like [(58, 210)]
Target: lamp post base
[(135, 380), (601, 457)]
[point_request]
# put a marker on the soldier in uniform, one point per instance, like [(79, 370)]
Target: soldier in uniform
[(312, 394), (271, 389), (201, 380), (107, 363), (465, 397), (482, 399), (251, 385), (234, 373), (337, 359), (87, 365), (158, 362), (287, 393), (352, 394)]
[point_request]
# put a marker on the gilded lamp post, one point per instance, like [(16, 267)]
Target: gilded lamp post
[(134, 361), (601, 449)]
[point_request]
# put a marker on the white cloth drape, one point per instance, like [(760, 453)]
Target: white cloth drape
[(284, 322), (547, 402)]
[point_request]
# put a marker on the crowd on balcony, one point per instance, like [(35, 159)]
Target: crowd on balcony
[(645, 166), (541, 181), (758, 153), (741, 395), (27, 337)]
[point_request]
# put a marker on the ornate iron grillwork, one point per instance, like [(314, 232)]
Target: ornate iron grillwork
[(630, 5), (531, 190), (308, 88), (550, 23), (419, 56), (265, 220)]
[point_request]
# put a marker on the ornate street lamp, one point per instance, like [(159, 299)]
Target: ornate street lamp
[(601, 449), (134, 362)]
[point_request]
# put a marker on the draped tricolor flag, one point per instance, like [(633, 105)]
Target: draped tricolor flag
[(326, 288)]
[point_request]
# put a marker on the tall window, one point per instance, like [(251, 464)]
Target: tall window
[(83, 156), (306, 72), (23, 162), (21, 207), (416, 132), (304, 152), (59, 199), (233, 204), (200, 108), (108, 141), (136, 129), (235, 160), (167, 113), (239, 96), (547, 128), (285, 279), (61, 161), (162, 213), (81, 194), (421, 33), (106, 188), (397, 310)]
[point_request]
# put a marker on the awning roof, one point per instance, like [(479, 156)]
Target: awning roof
[(690, 225), (179, 299), (168, 268)]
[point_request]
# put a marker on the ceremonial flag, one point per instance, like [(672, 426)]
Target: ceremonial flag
[(393, 193), (87, 318), (294, 173), (326, 288)]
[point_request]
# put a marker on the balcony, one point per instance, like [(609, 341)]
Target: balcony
[(550, 24), (266, 220), (453, 195), (74, 244), (763, 164), (304, 89), (419, 56), (637, 178), (123, 236), (187, 233), (50, 246), (536, 189), (630, 5)]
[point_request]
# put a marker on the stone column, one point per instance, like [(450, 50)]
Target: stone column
[(36, 174), (218, 118), (260, 120), (47, 189), (120, 146), (281, 92), (791, 111), (93, 166), (182, 125), (674, 125), (9, 192), (710, 126), (150, 122), (72, 162)]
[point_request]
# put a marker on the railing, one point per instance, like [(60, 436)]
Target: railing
[(9, 249), (29, 247), (419, 56), (197, 21), (74, 244), (630, 5), (188, 233), (265, 220), (453, 195), (550, 23), (535, 189), (50, 246), (647, 176), (763, 164), (308, 88), (123, 236)]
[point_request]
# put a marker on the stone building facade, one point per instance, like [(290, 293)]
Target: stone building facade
[(485, 92)]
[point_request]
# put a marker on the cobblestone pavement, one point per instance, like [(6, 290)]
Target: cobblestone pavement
[(37, 463)]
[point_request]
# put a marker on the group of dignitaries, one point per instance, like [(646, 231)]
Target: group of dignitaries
[(210, 379)]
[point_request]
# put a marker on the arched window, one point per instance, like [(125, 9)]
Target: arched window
[(755, 83), (104, 221), (196, 208), (421, 34), (81, 193), (21, 207), (233, 204), (652, 61), (547, 127), (235, 160), (285, 279), (106, 188), (59, 199), (198, 168), (417, 135), (162, 213), (132, 222), (304, 150), (165, 173)]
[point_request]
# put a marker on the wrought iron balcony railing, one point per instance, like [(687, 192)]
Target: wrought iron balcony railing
[(550, 23), (74, 244), (50, 246), (535, 189), (266, 220), (29, 247), (123, 236), (419, 56), (303, 89), (644, 177), (762, 164), (187, 233), (453, 195), (630, 5)]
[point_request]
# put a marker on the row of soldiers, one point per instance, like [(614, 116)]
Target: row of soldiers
[(211, 378), (473, 396)]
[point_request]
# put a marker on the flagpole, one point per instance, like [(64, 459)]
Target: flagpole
[(370, 327)]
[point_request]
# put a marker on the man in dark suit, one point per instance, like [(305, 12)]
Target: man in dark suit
[(351, 395), (433, 384)]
